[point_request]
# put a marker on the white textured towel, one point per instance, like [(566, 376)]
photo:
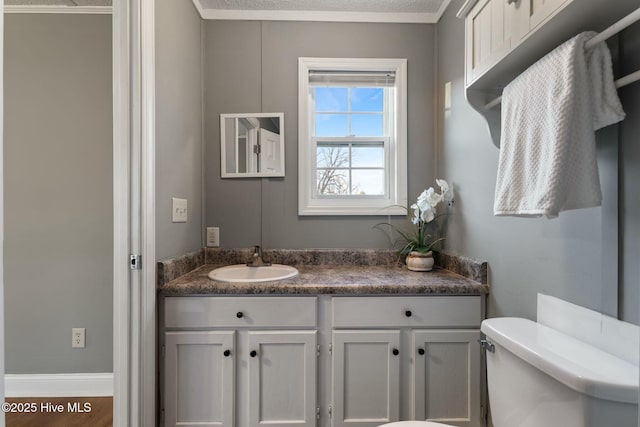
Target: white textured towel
[(548, 158)]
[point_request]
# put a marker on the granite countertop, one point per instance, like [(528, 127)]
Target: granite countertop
[(342, 279)]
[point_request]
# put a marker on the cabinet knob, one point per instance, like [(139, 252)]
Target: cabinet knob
[(239, 315), (395, 352), (421, 351), (227, 353), (253, 353), (408, 313)]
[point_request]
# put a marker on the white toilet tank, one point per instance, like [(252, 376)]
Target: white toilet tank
[(540, 376)]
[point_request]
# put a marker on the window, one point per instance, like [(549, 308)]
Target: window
[(352, 136)]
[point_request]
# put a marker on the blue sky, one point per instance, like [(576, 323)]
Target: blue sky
[(335, 100), (330, 102)]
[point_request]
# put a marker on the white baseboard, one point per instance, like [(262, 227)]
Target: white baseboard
[(59, 385)]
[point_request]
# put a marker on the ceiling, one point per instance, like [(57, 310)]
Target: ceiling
[(417, 11)]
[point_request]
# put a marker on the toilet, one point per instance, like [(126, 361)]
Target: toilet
[(574, 367)]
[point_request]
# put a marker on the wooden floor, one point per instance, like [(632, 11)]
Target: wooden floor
[(59, 412)]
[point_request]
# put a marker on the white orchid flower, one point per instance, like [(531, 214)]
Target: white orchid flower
[(427, 214), (432, 198), (423, 200), (444, 186), (416, 214)]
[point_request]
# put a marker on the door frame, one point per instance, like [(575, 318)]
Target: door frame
[(134, 295), (2, 418)]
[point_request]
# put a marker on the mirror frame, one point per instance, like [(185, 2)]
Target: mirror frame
[(223, 151)]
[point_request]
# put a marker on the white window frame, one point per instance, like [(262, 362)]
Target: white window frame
[(309, 203)]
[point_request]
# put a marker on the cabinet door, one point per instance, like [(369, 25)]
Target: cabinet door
[(446, 376), (539, 10), (282, 378), (199, 379), (488, 35), (366, 377)]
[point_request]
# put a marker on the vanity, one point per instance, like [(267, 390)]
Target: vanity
[(352, 340)]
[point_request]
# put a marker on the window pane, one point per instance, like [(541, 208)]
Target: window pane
[(367, 156), (332, 156), (368, 182), (332, 182), (367, 125), (332, 125), (333, 99), (367, 99)]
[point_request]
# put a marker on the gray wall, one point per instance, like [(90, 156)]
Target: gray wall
[(58, 193), (179, 144), (574, 257), (252, 67), (630, 177)]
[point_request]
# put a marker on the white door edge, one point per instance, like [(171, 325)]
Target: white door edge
[(134, 213), (2, 419)]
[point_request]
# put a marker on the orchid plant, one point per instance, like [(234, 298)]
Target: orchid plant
[(421, 213)]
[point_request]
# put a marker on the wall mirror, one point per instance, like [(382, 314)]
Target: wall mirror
[(252, 145)]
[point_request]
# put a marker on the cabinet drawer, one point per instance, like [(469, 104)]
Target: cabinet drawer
[(432, 311), (219, 312)]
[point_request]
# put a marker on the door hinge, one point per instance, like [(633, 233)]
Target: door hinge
[(256, 149), (135, 262), (318, 413), (318, 350), (330, 348), (163, 350), (162, 416), (330, 412)]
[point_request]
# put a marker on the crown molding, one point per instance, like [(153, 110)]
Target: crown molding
[(320, 16)]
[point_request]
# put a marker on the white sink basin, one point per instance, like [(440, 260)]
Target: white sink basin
[(242, 273)]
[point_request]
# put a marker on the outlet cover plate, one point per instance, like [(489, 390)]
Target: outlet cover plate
[(77, 337)]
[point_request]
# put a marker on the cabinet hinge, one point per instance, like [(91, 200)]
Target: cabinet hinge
[(330, 412), (135, 262), (318, 413), (163, 350)]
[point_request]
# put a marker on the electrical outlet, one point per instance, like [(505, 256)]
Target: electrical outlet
[(179, 210), (77, 337), (213, 237)]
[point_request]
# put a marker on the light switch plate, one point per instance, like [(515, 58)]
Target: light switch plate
[(179, 210)]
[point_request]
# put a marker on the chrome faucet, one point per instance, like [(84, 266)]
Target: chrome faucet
[(256, 259)]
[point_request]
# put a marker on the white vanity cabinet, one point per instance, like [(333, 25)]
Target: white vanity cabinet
[(240, 361), (325, 361), (365, 377), (199, 386), (406, 358)]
